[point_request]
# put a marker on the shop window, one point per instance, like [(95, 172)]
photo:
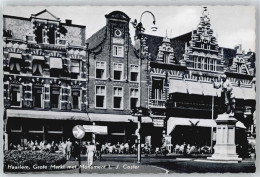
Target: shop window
[(75, 94), (157, 88), (15, 66), (118, 51), (100, 70), (100, 97), (118, 98), (37, 97), (118, 71), (55, 96), (134, 73), (133, 98), (16, 95)]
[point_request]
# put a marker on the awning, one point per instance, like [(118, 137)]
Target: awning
[(174, 121), (249, 93), (38, 57), (194, 87), (36, 114), (208, 89), (15, 55), (117, 118), (238, 92), (55, 63), (177, 86)]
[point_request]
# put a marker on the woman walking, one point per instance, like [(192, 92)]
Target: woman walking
[(90, 152)]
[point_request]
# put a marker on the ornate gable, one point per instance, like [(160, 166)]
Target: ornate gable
[(165, 52)]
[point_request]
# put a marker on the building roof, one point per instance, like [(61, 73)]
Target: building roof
[(97, 38), (178, 44)]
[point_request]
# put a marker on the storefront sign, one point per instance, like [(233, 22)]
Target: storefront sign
[(95, 129), (158, 122)]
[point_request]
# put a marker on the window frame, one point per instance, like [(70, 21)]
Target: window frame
[(105, 95), (104, 78), (59, 102), (79, 107), (115, 51), (122, 70), (122, 98), (21, 95), (42, 102), (138, 71), (130, 96)]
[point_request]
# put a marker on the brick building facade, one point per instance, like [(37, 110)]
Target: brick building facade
[(44, 65)]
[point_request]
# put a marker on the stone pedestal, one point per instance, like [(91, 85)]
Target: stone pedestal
[(225, 148)]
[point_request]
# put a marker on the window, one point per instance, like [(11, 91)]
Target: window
[(205, 63), (100, 70), (118, 97), (157, 88), (37, 67), (75, 95), (15, 95), (55, 95), (51, 36), (39, 34), (118, 51), (37, 97), (14, 66), (211, 63), (100, 96), (118, 71), (133, 98), (75, 68), (134, 71)]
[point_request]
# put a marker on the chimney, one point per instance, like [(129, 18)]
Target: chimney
[(68, 22)]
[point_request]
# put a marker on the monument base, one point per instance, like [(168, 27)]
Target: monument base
[(225, 148)]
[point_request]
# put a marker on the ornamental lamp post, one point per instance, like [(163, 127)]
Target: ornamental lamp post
[(139, 111)]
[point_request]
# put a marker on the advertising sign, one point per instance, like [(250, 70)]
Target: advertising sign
[(95, 129)]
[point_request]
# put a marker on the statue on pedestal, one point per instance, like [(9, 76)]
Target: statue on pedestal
[(227, 94)]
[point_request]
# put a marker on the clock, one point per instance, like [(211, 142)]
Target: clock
[(118, 33)]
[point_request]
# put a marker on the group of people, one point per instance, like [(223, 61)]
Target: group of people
[(191, 149), (63, 146)]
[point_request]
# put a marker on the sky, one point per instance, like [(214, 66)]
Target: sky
[(231, 24)]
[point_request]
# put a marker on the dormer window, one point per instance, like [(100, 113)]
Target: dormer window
[(166, 57)]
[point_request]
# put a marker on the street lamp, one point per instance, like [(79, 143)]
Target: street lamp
[(139, 112)]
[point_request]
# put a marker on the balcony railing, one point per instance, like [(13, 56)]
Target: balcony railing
[(155, 103)]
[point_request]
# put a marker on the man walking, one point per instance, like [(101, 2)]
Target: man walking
[(68, 148)]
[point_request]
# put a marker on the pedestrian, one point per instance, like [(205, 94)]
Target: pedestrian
[(76, 150), (90, 153), (98, 147), (68, 148)]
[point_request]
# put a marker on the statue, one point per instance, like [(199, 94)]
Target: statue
[(228, 94)]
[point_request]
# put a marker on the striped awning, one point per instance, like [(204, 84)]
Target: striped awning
[(177, 86), (238, 92), (37, 114), (249, 93), (208, 89), (194, 87)]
